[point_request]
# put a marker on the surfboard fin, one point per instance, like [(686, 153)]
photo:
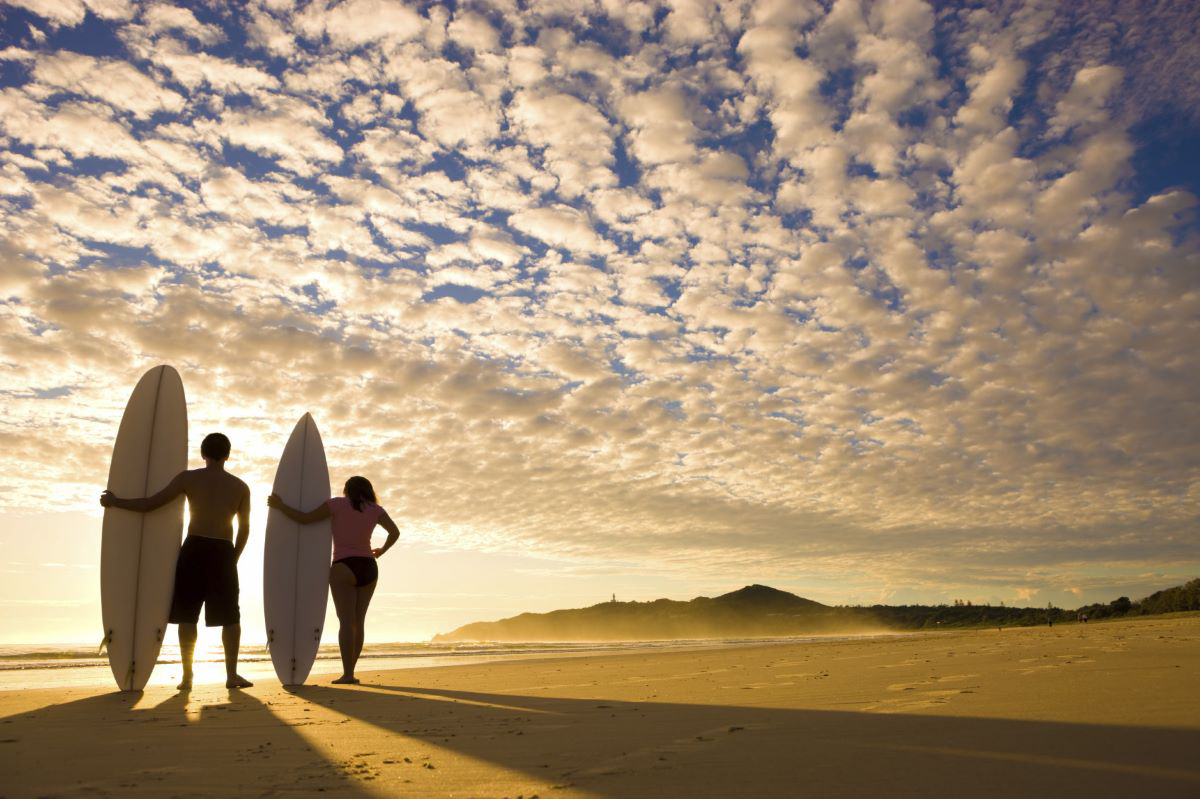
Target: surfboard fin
[(104, 643)]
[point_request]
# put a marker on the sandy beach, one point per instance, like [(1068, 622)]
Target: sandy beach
[(1109, 709)]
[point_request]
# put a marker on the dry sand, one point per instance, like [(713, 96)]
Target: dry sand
[(1102, 709)]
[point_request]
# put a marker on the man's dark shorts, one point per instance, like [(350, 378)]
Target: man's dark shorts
[(206, 573)]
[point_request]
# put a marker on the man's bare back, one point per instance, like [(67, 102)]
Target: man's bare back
[(214, 497)]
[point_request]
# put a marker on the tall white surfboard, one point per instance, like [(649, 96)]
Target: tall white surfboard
[(296, 557), (138, 550)]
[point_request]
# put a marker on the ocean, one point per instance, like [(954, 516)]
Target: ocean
[(24, 667)]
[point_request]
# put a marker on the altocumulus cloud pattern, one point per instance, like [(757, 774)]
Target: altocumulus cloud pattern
[(803, 288)]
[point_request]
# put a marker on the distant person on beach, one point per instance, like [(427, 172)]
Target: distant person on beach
[(206, 572), (354, 573)]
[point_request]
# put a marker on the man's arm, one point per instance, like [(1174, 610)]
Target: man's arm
[(393, 532), (243, 517), (146, 504)]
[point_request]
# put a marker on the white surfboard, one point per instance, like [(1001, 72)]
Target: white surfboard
[(296, 557), (138, 550)]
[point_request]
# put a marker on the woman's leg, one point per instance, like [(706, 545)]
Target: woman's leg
[(363, 599), (341, 585)]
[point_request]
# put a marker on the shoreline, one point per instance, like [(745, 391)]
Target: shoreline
[(1074, 710), (256, 664)]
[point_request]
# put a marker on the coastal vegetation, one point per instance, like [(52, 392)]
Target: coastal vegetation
[(762, 611)]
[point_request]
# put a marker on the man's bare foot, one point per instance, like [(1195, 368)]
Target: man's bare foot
[(346, 679), (238, 681), (185, 684)]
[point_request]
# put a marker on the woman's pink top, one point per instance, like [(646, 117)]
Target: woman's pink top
[(352, 528)]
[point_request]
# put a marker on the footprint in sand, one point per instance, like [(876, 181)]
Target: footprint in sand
[(1065, 660), (926, 698), (909, 662), (912, 686), (909, 705)]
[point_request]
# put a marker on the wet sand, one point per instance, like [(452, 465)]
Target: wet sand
[(1095, 710)]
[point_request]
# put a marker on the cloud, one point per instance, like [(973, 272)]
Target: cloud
[(992, 90), (114, 82), (160, 18), (79, 129), (790, 84), (887, 292), (577, 139), (59, 12), (474, 32), (288, 128), (690, 21), (194, 69), (560, 226), (452, 113), (231, 193), (1084, 103), (662, 126), (268, 32), (354, 23)]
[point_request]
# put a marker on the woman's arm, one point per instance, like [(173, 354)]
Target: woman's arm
[(298, 516), (145, 504), (393, 532)]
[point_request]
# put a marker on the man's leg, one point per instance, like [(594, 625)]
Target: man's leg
[(231, 638), (187, 648), (185, 605), (221, 608)]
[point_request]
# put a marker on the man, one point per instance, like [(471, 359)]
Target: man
[(206, 572)]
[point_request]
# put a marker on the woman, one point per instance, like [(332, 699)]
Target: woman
[(354, 572)]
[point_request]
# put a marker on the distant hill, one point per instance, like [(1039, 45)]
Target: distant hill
[(756, 610), (762, 611)]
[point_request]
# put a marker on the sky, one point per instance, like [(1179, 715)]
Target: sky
[(871, 302)]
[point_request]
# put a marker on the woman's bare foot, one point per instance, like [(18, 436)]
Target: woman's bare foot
[(186, 683), (238, 681), (346, 679)]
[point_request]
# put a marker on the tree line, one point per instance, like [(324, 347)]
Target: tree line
[(964, 614), (1169, 600)]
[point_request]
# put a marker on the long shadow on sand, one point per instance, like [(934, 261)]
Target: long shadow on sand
[(623, 749), (221, 744)]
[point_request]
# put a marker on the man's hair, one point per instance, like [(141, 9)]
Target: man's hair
[(215, 446)]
